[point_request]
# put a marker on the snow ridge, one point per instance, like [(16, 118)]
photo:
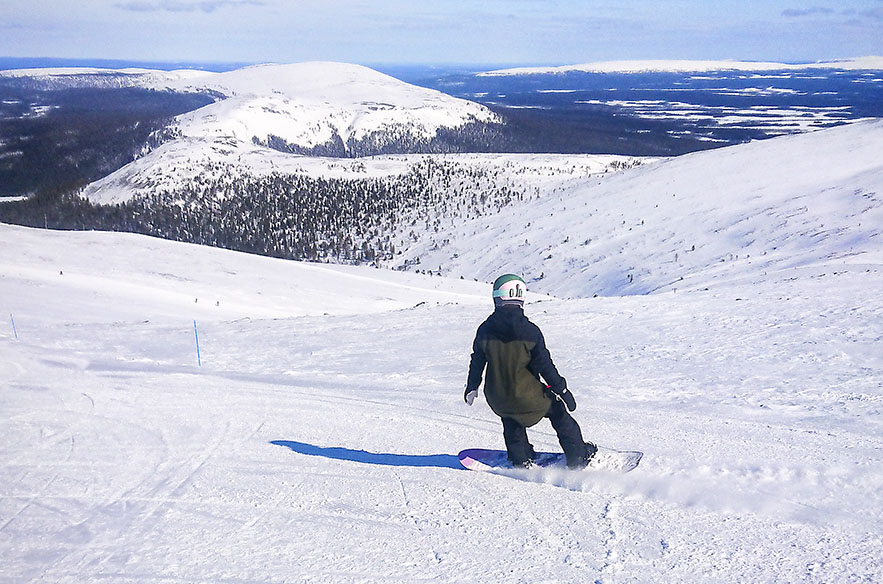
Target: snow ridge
[(91, 77), (686, 66)]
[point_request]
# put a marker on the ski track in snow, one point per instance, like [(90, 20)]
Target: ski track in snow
[(173, 475), (317, 442)]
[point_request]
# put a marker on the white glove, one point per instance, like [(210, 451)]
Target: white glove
[(470, 396)]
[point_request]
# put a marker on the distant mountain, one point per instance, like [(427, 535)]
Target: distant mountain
[(319, 108), (64, 127), (234, 173), (56, 78), (680, 66), (328, 109)]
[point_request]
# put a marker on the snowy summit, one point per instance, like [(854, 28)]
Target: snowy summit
[(306, 105)]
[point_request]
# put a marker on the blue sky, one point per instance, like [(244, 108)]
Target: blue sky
[(440, 31)]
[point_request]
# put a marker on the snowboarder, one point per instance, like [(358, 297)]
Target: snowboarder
[(522, 384)]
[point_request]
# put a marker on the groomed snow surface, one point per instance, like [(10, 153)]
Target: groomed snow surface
[(317, 440)]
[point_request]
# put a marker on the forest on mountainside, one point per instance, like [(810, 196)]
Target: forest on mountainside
[(286, 215)]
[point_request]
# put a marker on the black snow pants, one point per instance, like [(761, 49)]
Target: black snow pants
[(520, 450)]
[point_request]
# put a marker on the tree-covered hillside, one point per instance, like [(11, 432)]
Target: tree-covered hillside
[(287, 215)]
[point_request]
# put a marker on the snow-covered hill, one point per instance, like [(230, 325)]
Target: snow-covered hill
[(747, 211), (176, 165), (313, 437), (91, 270), (577, 230), (335, 105)]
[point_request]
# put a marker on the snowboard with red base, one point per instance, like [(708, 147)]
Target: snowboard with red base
[(606, 459)]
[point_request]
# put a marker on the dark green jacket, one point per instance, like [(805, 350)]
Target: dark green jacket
[(516, 356)]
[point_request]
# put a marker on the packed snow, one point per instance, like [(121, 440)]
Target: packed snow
[(314, 436)]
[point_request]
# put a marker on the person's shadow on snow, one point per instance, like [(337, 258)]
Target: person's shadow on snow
[(383, 459)]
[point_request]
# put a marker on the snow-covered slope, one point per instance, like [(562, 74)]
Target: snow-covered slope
[(680, 66), (316, 439), (746, 211), (322, 448), (90, 270)]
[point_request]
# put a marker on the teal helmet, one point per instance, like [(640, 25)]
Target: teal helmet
[(509, 290)]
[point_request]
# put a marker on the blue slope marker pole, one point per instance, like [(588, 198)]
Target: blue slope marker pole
[(12, 318), (196, 334)]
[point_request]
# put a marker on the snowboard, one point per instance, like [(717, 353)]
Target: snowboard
[(606, 459)]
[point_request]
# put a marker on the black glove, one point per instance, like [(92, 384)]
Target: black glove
[(565, 396)]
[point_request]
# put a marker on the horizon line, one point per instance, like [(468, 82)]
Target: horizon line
[(12, 63)]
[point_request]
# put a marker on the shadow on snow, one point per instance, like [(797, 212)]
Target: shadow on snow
[(383, 459)]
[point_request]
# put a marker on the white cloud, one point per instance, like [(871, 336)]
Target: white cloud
[(800, 12), (177, 6)]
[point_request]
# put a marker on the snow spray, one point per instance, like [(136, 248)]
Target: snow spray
[(196, 334), (12, 318)]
